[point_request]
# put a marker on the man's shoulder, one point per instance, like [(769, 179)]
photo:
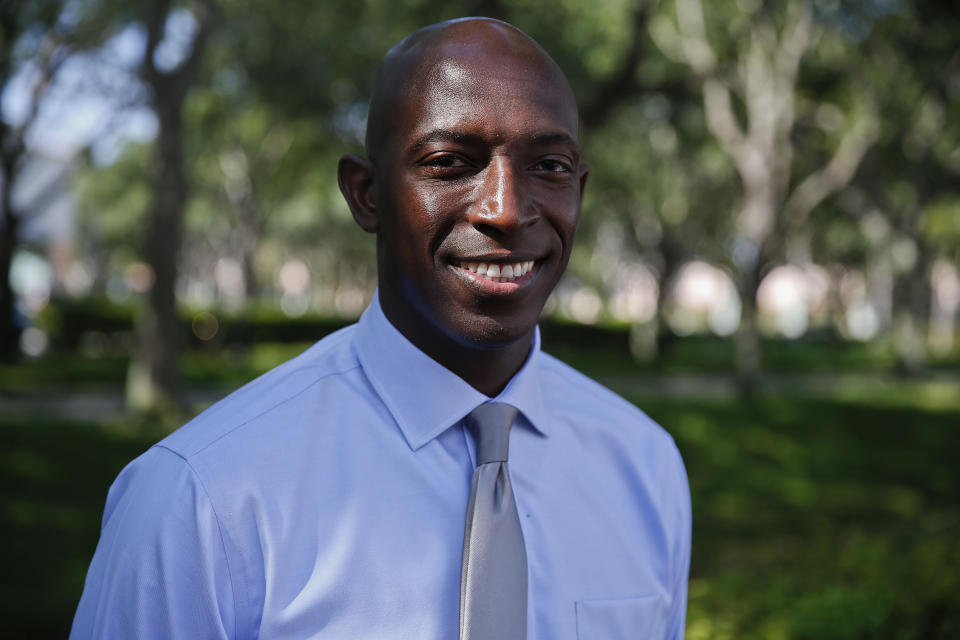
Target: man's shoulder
[(572, 392), (568, 383), (327, 359)]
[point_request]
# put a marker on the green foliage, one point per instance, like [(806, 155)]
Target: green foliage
[(587, 40), (284, 88), (942, 226), (112, 203)]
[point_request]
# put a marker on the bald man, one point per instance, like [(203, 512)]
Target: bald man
[(328, 498)]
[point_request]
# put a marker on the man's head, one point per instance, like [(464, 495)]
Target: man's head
[(473, 159)]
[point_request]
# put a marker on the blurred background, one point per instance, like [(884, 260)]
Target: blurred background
[(767, 265)]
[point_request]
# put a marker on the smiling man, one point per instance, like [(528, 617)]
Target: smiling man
[(473, 186), (429, 471)]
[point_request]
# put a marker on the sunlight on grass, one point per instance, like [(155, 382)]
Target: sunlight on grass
[(932, 395)]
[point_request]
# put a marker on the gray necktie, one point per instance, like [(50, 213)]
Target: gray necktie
[(493, 578)]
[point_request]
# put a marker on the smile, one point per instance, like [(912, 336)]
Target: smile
[(496, 278), (498, 272)]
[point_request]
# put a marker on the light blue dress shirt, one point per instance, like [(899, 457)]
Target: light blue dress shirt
[(326, 499)]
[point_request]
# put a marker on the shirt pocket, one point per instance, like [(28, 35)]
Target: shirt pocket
[(639, 618)]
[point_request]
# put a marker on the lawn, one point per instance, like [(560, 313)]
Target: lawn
[(604, 351), (821, 518), (814, 517), (54, 477)]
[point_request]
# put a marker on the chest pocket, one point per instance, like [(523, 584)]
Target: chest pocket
[(641, 618)]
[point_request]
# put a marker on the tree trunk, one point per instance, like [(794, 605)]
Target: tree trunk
[(749, 352), (912, 313), (9, 330), (250, 229), (880, 282), (672, 254), (155, 379)]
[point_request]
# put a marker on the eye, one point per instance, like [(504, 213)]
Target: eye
[(552, 166), (445, 161)]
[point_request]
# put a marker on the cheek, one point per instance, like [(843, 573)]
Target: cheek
[(433, 198), (411, 240), (563, 213), (431, 214)]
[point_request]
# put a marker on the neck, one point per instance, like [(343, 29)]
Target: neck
[(486, 368)]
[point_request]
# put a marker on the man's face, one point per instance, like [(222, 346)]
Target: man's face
[(478, 192)]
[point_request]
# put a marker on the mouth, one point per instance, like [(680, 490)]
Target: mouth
[(497, 277)]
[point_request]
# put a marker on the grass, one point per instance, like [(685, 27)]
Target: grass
[(54, 477), (606, 351), (814, 517), (226, 368), (821, 518)]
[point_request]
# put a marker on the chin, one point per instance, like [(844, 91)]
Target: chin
[(485, 332)]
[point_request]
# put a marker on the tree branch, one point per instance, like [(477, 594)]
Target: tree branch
[(180, 79), (833, 176), (691, 42), (721, 120), (48, 61), (693, 37), (206, 16), (50, 57), (797, 36), (155, 23)]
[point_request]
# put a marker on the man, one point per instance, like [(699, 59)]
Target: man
[(329, 497)]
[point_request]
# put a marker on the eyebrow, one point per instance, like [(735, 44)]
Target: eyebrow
[(446, 135), (553, 138)]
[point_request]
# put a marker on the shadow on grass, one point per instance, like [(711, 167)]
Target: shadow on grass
[(820, 519), (54, 478), (813, 518)]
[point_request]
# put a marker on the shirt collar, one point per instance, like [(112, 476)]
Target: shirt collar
[(424, 397)]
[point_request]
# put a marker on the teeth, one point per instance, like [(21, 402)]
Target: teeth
[(500, 272)]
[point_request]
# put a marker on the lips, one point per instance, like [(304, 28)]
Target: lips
[(499, 277), (498, 271)]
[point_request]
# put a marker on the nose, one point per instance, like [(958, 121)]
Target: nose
[(502, 202)]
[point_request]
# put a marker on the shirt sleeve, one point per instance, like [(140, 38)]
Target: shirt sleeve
[(160, 568), (680, 499)]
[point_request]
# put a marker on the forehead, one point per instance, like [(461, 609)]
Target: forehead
[(485, 91)]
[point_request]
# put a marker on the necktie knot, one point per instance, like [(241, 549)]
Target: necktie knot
[(489, 426)]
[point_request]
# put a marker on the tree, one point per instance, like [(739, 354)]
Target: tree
[(759, 67), (908, 185), (154, 374), (35, 38)]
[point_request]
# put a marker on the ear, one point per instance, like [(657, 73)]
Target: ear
[(355, 177), (584, 173)]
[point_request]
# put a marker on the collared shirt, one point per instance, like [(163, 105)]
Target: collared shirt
[(326, 499)]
